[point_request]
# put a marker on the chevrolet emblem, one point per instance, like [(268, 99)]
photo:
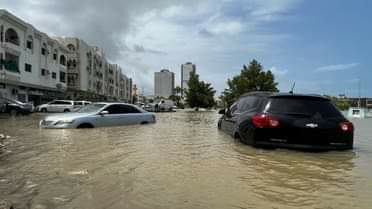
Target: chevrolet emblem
[(312, 125)]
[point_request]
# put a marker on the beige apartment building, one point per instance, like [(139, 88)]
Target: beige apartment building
[(37, 68), (32, 65)]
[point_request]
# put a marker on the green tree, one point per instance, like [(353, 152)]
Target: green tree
[(251, 78), (200, 93), (341, 104)]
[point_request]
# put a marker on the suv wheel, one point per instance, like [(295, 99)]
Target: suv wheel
[(66, 110), (44, 110)]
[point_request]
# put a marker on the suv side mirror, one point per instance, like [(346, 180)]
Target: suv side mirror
[(105, 112), (222, 111)]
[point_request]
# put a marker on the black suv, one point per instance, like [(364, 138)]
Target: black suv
[(268, 119)]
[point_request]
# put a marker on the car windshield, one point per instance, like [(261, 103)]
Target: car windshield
[(91, 108), (303, 107)]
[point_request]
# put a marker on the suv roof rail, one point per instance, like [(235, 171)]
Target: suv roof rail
[(258, 93)]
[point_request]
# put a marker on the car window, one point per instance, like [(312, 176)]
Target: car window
[(78, 103), (232, 109), (91, 108), (247, 103), (121, 109), (131, 109), (303, 106)]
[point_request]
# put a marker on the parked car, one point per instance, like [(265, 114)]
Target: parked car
[(57, 106), (166, 105), (79, 104), (100, 115), (287, 120), (14, 107)]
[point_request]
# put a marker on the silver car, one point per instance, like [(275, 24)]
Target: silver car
[(99, 115)]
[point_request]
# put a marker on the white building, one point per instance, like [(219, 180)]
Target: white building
[(32, 65), (36, 68), (186, 69), (164, 83), (90, 72)]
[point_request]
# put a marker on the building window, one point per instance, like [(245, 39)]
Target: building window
[(29, 43), (54, 75), (71, 47), (11, 36), (62, 77), (2, 33), (28, 68), (11, 62), (62, 60), (44, 49), (43, 71), (55, 54), (1, 61)]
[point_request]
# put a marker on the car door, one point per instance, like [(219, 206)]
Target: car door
[(59, 106), (52, 106), (132, 115), (232, 119), (227, 123), (116, 116)]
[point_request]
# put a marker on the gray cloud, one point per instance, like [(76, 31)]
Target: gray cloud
[(137, 34), (101, 23), (141, 49)]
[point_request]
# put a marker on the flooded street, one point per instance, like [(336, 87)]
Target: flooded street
[(182, 161)]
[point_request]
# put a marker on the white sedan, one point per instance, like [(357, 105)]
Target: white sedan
[(100, 115)]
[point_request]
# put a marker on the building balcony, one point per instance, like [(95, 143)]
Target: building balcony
[(9, 76), (11, 47)]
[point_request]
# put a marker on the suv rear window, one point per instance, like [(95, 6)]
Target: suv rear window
[(311, 107)]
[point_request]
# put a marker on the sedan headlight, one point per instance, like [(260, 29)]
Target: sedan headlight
[(63, 122)]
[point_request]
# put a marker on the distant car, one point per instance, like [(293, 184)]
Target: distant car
[(14, 107), (57, 106), (287, 120), (100, 115)]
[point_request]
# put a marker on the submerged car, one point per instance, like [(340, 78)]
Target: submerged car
[(14, 107), (267, 119), (99, 115)]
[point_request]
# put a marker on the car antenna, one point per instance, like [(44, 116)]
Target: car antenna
[(293, 86)]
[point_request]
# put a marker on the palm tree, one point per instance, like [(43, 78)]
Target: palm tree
[(178, 90)]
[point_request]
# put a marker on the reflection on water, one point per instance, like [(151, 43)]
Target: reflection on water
[(180, 162)]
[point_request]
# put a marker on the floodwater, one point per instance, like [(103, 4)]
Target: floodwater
[(182, 161)]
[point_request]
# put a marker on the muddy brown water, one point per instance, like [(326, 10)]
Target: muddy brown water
[(182, 161)]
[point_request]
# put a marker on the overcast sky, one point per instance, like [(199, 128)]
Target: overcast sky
[(323, 46)]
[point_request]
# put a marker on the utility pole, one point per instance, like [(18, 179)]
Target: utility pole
[(359, 93)]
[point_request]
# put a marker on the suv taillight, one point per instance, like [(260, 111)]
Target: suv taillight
[(264, 121), (347, 127)]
